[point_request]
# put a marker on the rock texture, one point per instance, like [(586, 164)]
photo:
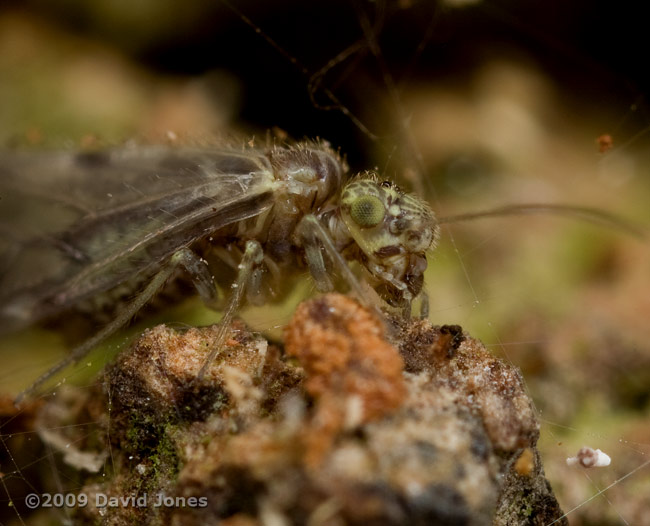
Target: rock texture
[(356, 421)]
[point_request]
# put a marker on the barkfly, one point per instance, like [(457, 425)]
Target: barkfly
[(101, 233)]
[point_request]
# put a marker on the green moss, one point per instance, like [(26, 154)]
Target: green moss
[(527, 511), (165, 459)]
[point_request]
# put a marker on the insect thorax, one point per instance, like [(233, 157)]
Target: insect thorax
[(311, 174)]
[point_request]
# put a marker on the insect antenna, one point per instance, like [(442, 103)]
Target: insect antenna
[(582, 213)]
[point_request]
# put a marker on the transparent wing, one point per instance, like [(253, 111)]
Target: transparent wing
[(75, 225)]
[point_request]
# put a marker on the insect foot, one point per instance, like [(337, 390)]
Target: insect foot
[(343, 426)]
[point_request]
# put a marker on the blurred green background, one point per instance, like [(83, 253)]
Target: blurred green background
[(473, 104)]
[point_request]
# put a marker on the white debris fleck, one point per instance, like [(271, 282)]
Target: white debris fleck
[(91, 461), (590, 458)]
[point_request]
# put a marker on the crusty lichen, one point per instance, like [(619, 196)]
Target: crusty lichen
[(346, 425)]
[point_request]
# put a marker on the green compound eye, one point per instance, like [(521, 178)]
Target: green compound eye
[(367, 211)]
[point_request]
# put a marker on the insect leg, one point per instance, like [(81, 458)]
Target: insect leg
[(200, 274), (254, 292), (312, 235), (253, 256), (120, 320), (185, 258), (316, 264), (424, 305)]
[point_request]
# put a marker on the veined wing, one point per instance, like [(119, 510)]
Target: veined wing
[(76, 225)]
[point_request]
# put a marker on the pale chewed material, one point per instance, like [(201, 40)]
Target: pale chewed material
[(589, 458), (103, 232)]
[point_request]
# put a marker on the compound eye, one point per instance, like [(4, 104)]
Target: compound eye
[(367, 211)]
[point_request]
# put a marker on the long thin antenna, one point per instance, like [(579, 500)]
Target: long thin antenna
[(590, 215)]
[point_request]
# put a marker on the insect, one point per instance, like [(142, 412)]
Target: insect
[(351, 81), (124, 222), (121, 224)]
